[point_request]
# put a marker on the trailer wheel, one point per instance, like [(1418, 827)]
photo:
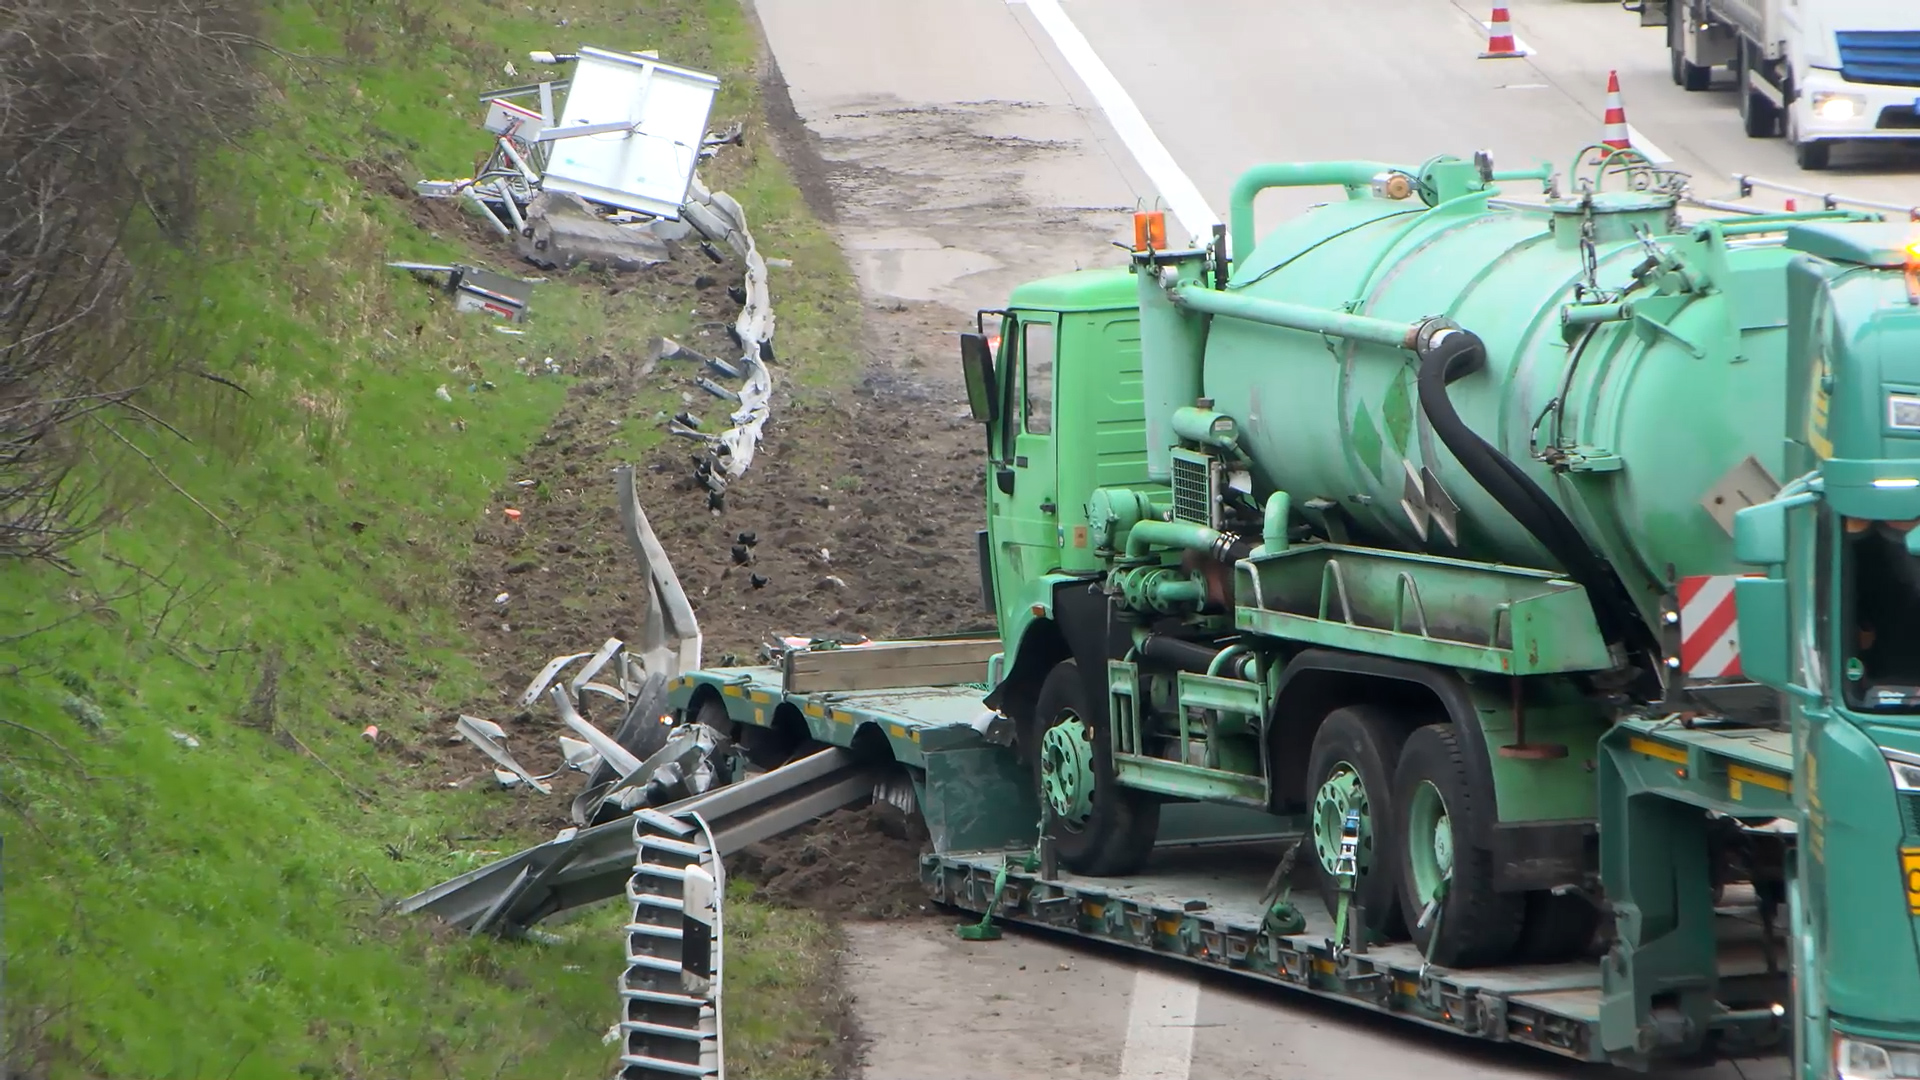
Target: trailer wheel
[(1557, 928), (1351, 767), (1099, 828), (1439, 805)]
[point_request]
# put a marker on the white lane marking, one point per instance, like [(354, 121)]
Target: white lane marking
[(1519, 45), (1160, 1024), (1182, 196), (1645, 145)]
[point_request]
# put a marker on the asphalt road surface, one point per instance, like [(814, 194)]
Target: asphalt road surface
[(973, 144)]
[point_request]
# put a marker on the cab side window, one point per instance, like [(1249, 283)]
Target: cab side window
[(1037, 340)]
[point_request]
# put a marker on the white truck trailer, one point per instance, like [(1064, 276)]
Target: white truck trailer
[(1816, 71)]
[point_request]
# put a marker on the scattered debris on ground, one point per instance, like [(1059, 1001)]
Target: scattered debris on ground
[(595, 172)]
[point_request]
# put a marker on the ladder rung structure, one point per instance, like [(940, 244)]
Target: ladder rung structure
[(670, 991)]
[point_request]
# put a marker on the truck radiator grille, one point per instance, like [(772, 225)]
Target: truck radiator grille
[(1910, 812), (1192, 491), (1886, 57)]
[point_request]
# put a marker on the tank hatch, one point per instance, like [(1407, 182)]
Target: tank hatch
[(1885, 244), (1617, 215)]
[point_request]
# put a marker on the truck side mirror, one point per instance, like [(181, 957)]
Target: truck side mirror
[(976, 364), (1760, 534), (1760, 614)]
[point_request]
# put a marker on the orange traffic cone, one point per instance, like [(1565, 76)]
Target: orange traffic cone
[(1616, 119), (1500, 44)]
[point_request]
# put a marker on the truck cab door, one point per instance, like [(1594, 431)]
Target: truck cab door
[(1024, 519)]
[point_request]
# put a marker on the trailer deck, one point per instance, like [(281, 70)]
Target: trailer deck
[(1200, 899), (1204, 906)]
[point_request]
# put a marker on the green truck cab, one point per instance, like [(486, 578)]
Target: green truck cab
[(1834, 627)]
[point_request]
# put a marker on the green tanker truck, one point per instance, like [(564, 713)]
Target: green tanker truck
[(1538, 569)]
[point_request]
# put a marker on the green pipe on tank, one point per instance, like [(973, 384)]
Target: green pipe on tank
[(1228, 655), (1778, 222), (1397, 335), (1355, 176), (1167, 594), (1580, 315), (1173, 346), (1273, 528), (1169, 534), (1542, 173)]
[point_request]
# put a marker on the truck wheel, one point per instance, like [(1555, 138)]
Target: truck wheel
[(1099, 828), (1351, 767), (1439, 807), (1674, 59), (1686, 75), (1557, 928), (1811, 156)]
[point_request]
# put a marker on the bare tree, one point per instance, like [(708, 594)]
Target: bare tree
[(106, 110)]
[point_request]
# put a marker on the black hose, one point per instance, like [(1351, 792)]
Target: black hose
[(1175, 653), (1450, 354)]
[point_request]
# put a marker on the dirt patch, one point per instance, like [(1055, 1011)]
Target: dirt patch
[(856, 517), (854, 863), (796, 143), (439, 217)]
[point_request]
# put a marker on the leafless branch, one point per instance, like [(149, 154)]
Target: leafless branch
[(50, 741), (162, 474), (106, 110)]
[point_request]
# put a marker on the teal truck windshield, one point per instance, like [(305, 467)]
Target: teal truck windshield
[(1882, 590)]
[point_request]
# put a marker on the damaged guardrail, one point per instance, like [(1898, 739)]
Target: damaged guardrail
[(623, 766), (582, 866)]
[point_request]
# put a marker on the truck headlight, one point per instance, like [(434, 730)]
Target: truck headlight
[(1837, 107), (1905, 768), (1854, 1059)]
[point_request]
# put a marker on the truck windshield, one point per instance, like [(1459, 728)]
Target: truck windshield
[(1882, 593)]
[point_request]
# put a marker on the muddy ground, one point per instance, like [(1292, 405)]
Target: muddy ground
[(862, 501)]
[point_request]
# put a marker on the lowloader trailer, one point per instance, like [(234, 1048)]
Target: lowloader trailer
[(1441, 535)]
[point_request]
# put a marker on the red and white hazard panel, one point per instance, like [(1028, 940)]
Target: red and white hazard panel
[(1709, 633)]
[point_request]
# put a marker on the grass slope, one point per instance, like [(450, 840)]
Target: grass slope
[(198, 840)]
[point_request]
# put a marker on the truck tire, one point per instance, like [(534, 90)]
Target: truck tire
[(1108, 831), (1811, 156), (1351, 764), (1437, 799), (1688, 76), (1673, 43), (1557, 928)]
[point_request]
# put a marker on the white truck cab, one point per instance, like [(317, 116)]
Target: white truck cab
[(1816, 71)]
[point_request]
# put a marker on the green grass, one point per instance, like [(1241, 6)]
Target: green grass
[(214, 910), (782, 1002)]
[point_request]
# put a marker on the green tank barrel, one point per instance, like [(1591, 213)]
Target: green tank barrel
[(1634, 366)]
